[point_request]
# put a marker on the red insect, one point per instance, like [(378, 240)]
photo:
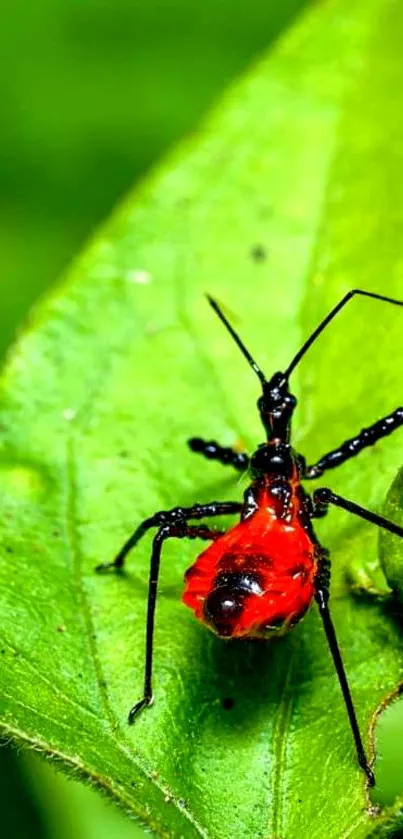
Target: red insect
[(260, 577)]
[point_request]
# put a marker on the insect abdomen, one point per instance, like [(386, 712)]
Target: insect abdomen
[(228, 597), (256, 586)]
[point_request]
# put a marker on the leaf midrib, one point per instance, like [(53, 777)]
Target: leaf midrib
[(279, 747)]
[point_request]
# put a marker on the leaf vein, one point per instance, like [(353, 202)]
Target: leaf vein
[(75, 549), (51, 684), (280, 733), (105, 701)]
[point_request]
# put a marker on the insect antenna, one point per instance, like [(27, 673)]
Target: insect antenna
[(332, 314), (241, 345)]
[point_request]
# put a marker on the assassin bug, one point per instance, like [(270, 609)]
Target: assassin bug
[(259, 578)]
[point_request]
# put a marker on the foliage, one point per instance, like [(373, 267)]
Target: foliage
[(125, 362)]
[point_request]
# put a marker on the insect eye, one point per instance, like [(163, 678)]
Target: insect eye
[(290, 401)]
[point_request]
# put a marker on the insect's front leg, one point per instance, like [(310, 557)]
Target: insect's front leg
[(366, 437), (224, 454)]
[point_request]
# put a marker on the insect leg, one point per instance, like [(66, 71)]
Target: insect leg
[(366, 437), (178, 530), (323, 497), (224, 454), (198, 511), (322, 595)]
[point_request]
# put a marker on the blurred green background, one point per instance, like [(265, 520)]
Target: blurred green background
[(92, 95)]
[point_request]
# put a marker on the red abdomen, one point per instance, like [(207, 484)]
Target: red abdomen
[(256, 579)]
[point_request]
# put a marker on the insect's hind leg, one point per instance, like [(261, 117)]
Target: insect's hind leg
[(178, 530), (322, 594), (224, 454), (323, 497)]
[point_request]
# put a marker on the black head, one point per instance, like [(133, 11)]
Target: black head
[(276, 407)]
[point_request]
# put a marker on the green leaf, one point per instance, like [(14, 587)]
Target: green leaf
[(125, 362), (390, 546), (70, 808)]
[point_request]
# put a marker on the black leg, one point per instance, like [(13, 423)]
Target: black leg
[(198, 511), (366, 437), (224, 454), (322, 599), (323, 497), (178, 530)]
